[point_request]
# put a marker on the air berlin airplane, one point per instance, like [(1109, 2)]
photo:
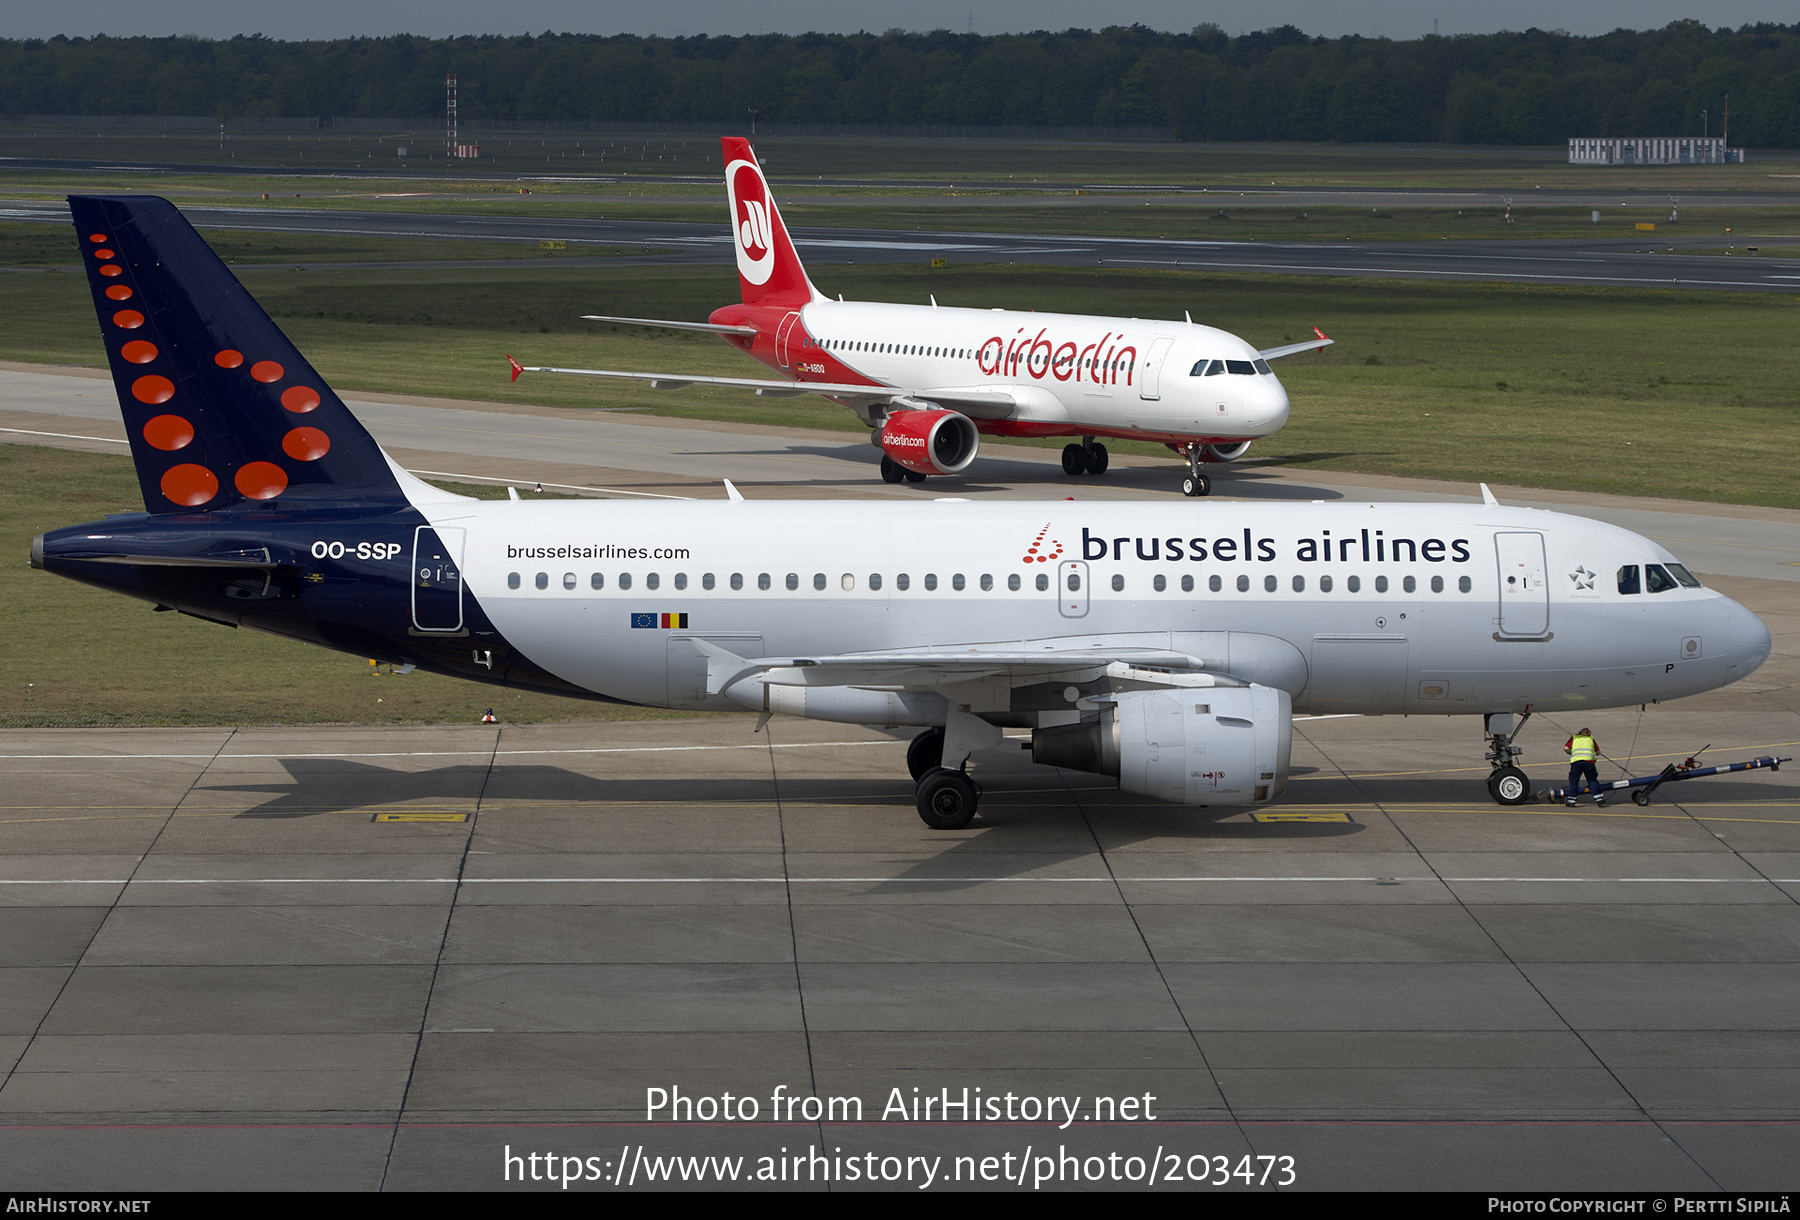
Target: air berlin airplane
[(928, 380)]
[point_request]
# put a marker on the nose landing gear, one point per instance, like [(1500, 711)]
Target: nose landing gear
[(1506, 783), (1196, 484)]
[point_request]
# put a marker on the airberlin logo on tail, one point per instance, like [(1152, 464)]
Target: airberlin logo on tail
[(754, 221), (1043, 552)]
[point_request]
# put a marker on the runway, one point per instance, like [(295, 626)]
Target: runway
[(1598, 262), (389, 958)]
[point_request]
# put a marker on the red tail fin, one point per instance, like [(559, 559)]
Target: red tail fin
[(769, 270)]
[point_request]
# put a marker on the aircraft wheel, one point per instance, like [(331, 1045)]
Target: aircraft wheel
[(891, 471), (1640, 798), (1096, 458), (1074, 460), (913, 476), (925, 754), (1509, 786), (946, 799), (1196, 485)]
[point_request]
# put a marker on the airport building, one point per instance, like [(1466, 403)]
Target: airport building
[(1654, 150)]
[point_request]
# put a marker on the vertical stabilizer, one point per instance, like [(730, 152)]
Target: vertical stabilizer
[(769, 270), (222, 410)]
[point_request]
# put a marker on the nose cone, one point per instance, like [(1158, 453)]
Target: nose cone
[(1747, 643), (1273, 412)]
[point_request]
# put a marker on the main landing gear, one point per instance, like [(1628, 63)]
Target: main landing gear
[(1505, 783), (1085, 458), (1196, 483), (946, 798), (894, 472)]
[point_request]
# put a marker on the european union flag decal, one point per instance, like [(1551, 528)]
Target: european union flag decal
[(677, 621), (643, 620)]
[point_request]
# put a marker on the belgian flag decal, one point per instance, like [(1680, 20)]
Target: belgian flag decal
[(651, 620)]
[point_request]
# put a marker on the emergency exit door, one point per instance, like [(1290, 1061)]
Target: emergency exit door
[(1072, 588), (1524, 584)]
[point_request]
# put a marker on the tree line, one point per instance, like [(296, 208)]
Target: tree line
[(1535, 87)]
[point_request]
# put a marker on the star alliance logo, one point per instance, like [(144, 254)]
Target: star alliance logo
[(1583, 578)]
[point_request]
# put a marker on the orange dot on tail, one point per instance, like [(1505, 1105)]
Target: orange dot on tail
[(306, 444), (105, 254), (169, 432), (118, 292), (139, 351), (189, 485), (128, 319), (153, 389), (299, 399), (266, 371), (261, 480), (96, 237), (228, 359), (111, 269)]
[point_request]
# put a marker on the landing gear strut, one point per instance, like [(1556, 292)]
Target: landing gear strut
[(1196, 484), (1506, 783), (1085, 458)]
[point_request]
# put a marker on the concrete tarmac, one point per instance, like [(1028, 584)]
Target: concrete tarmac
[(360, 958)]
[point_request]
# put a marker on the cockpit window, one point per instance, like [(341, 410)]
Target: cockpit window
[(1657, 578), (1262, 366), (1242, 368), (1683, 575), (1207, 368), (1628, 579)]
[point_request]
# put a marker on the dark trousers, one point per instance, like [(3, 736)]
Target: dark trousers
[(1577, 770)]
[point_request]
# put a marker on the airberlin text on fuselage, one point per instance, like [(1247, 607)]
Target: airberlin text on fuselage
[(1063, 360)]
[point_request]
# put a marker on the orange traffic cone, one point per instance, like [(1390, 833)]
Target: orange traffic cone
[(488, 717)]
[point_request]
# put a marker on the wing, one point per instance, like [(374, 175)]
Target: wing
[(1311, 345), (982, 403), (709, 327)]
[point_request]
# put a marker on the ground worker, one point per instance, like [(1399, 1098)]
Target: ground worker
[(1582, 750)]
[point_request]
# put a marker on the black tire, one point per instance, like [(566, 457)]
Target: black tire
[(925, 754), (1096, 456), (1196, 485), (891, 471), (913, 476), (1509, 786), (1640, 798), (1074, 460), (946, 799)]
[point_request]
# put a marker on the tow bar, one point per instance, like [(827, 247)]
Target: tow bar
[(1643, 785)]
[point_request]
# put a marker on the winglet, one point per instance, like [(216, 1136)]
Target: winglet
[(732, 493), (1321, 334), (516, 369), (1487, 497)]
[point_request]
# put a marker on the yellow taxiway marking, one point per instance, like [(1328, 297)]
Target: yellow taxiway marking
[(420, 817), (1334, 816)]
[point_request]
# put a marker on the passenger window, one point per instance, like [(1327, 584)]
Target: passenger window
[(1324, 584), (596, 581), (1269, 584), (1187, 584), (1043, 581), (819, 581), (681, 580), (706, 581), (1118, 584), (762, 581), (737, 580), (543, 580), (1243, 584), (1299, 584), (1437, 584), (848, 582), (875, 581), (1013, 582), (1214, 584), (902, 582), (1381, 584), (1410, 585), (1465, 584), (957, 582), (652, 581), (931, 582), (793, 581), (568, 580), (1160, 583), (987, 583), (624, 580), (512, 580), (1657, 580), (1354, 584), (1628, 579)]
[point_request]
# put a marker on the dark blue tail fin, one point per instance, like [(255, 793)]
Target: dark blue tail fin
[(221, 408)]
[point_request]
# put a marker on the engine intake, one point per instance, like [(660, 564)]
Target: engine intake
[(930, 442), (1201, 746), (1224, 453)]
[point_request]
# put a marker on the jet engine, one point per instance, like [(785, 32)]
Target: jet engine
[(1224, 453), (1197, 746), (930, 442)]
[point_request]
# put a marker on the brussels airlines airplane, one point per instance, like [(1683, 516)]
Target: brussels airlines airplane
[(1167, 645), (929, 381)]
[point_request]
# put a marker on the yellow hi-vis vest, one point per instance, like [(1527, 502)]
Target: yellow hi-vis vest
[(1582, 749)]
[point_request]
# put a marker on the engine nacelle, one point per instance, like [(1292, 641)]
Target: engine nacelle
[(1224, 453), (1203, 746), (930, 442)]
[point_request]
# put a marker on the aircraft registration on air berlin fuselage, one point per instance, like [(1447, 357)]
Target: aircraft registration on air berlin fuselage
[(1165, 644), (929, 380)]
